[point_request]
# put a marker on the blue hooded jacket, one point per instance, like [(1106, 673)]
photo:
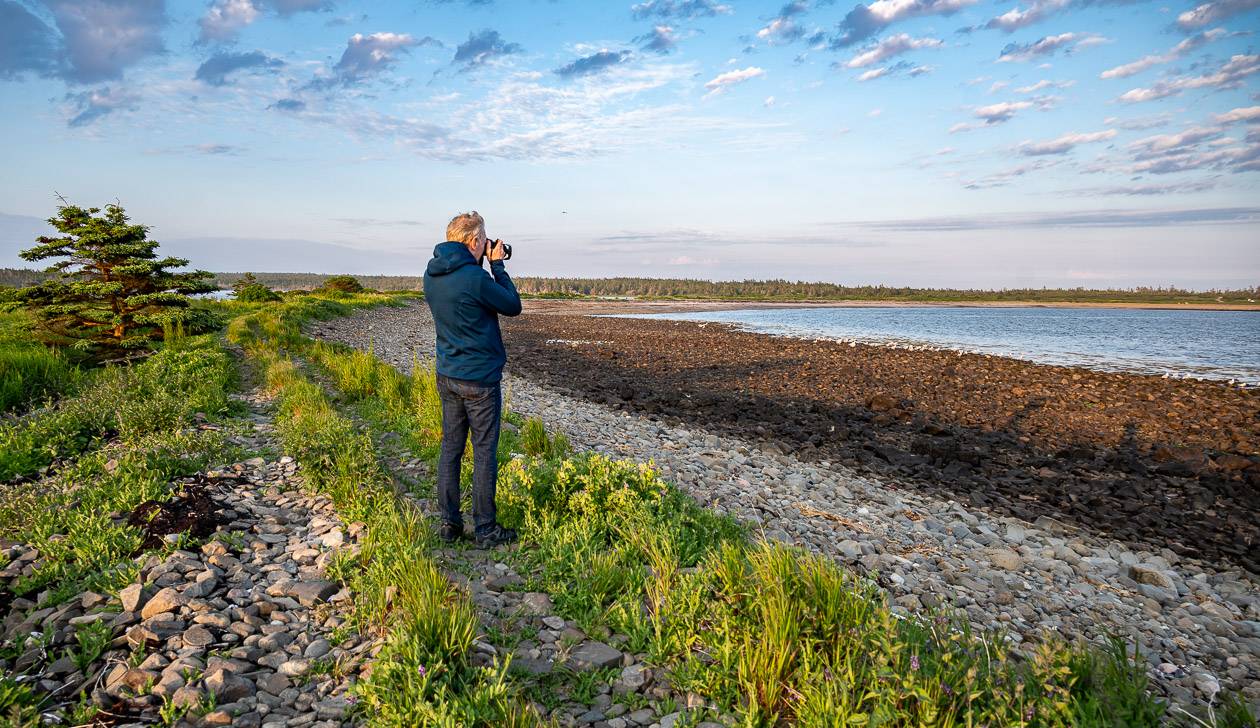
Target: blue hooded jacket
[(466, 304)]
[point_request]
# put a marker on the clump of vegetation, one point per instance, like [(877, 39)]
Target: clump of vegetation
[(127, 403), (536, 441), (32, 374), (342, 284), (109, 294), (249, 290)]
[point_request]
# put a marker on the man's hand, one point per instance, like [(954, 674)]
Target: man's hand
[(494, 250)]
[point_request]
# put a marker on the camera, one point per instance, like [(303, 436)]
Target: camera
[(507, 249)]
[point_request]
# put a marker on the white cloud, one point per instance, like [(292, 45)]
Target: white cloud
[(873, 74), (1177, 51), (889, 47), (1161, 143), (1248, 114), (1214, 12), (531, 120), (1017, 18), (102, 39), (863, 21), (1048, 45), (1044, 84), (1065, 143), (225, 18), (1000, 112), (88, 106), (1230, 76), (1139, 122), (723, 81)]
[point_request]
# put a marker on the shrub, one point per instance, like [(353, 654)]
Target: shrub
[(342, 284), (256, 293)]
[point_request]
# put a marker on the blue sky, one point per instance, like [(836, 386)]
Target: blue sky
[(910, 142)]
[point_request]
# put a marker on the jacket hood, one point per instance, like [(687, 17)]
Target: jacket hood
[(449, 256)]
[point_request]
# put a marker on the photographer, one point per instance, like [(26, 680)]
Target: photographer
[(466, 303)]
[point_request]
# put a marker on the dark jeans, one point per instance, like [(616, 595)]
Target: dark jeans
[(469, 405)]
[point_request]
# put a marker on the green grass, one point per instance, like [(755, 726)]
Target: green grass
[(123, 402), (33, 374), (68, 518)]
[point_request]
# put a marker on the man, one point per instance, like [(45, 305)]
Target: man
[(466, 303)]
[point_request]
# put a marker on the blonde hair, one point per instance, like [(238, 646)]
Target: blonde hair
[(466, 228)]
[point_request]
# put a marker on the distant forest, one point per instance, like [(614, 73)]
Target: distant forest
[(772, 290)]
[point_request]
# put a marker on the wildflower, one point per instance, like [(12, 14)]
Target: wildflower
[(421, 670), (914, 662), (827, 673), (945, 688), (1029, 712)]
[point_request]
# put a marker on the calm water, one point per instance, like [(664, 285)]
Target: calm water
[(1208, 344)]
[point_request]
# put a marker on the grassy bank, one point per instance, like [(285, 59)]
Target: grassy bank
[(141, 417), (768, 633)]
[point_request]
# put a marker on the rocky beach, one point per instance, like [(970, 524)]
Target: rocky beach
[(1038, 500)]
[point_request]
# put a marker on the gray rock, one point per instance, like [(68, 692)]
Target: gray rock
[(536, 604), (593, 655), (633, 678), (310, 593)]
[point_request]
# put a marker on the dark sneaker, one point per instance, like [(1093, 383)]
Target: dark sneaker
[(496, 536), (451, 532)]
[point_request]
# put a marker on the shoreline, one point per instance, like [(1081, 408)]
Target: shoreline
[(1172, 463), (927, 549), (567, 305)]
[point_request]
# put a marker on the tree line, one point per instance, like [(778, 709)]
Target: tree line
[(746, 290)]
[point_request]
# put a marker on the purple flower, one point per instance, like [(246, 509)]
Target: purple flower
[(914, 662), (421, 670), (947, 689)]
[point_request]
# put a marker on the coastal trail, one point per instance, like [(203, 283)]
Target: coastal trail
[(1197, 622)]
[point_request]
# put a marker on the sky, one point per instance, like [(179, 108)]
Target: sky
[(947, 143)]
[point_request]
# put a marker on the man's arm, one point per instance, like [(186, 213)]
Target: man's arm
[(499, 293)]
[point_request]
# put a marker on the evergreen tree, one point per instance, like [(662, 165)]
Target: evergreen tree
[(245, 281), (108, 294)]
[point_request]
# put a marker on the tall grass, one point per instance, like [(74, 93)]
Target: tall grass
[(124, 402), (30, 375)]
